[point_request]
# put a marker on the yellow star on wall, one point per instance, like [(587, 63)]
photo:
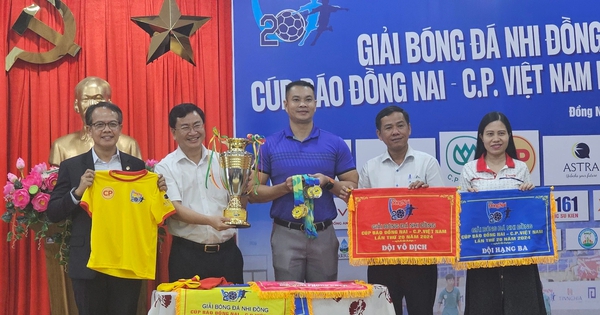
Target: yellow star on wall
[(170, 31)]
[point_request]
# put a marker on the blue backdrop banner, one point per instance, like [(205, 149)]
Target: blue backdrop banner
[(447, 63)]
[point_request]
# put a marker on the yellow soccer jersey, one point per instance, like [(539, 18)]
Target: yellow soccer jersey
[(126, 209)]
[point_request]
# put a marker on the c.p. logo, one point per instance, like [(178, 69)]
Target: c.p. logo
[(108, 193), (64, 43), (525, 152)]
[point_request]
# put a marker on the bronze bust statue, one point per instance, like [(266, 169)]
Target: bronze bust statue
[(88, 91)]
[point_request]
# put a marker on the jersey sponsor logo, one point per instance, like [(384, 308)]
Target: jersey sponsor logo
[(136, 197), (108, 193)]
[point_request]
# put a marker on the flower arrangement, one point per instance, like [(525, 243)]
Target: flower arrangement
[(26, 200)]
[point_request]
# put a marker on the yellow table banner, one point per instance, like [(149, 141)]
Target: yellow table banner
[(233, 300)]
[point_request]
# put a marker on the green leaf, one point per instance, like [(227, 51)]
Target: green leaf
[(7, 217), (9, 236)]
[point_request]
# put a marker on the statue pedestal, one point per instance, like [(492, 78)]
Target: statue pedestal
[(62, 301)]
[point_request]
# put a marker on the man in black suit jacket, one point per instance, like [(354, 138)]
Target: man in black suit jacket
[(95, 293)]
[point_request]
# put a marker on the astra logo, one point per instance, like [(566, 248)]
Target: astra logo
[(459, 151), (581, 151)]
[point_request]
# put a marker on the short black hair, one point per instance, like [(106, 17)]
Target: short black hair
[(298, 83), (182, 110), (388, 111), (449, 276), (490, 117), (107, 105)]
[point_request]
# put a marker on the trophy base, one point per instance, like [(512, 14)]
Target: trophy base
[(238, 223)]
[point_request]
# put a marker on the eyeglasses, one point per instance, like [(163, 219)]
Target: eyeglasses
[(186, 128), (113, 125)]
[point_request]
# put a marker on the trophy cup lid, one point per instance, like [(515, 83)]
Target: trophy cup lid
[(236, 143)]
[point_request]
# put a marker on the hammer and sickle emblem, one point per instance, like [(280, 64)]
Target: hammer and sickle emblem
[(64, 43)]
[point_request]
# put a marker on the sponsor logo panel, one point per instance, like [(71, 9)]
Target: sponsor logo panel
[(458, 148), (571, 160), (582, 238), (571, 206), (341, 221), (344, 248), (596, 205)]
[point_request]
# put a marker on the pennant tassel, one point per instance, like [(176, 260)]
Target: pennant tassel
[(457, 207), (553, 211), (402, 260), (321, 293)]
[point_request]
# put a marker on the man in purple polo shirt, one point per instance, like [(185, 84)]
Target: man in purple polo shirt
[(303, 148)]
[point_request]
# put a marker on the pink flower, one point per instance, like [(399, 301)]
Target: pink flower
[(150, 164), (40, 168), (32, 179), (12, 177), (9, 188), (20, 164), (40, 202), (50, 181), (21, 198)]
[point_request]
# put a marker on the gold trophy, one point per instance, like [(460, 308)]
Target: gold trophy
[(236, 170)]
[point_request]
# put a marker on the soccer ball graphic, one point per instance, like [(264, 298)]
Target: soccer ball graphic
[(291, 25), (495, 217)]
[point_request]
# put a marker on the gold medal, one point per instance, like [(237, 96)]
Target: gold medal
[(299, 211), (317, 192), (308, 192)]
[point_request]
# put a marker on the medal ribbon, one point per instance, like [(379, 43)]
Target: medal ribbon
[(213, 142), (298, 190), (309, 219), (257, 141)]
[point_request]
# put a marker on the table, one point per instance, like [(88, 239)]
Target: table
[(380, 303)]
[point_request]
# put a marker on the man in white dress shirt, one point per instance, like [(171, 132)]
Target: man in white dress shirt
[(203, 244), (401, 166)]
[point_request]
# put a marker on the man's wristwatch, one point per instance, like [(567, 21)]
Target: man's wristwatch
[(329, 184)]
